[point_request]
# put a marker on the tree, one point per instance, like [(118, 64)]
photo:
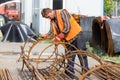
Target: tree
[(108, 7)]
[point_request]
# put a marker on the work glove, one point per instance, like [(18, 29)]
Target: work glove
[(59, 37)]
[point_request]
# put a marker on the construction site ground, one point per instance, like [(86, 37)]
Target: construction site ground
[(10, 53)]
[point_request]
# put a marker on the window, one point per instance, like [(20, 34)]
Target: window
[(57, 4)]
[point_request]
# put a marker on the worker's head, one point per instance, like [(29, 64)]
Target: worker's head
[(48, 13)]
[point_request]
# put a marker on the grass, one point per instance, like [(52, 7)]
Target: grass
[(102, 54), (47, 41), (114, 59)]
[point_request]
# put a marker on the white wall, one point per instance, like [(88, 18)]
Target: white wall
[(86, 7), (28, 11), (44, 23)]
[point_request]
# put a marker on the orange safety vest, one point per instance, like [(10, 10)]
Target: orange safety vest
[(74, 30)]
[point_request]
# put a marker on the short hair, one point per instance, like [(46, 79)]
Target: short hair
[(45, 11)]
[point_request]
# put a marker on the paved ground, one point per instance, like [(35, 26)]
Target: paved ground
[(9, 54)]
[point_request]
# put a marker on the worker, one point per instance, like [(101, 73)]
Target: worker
[(64, 27)]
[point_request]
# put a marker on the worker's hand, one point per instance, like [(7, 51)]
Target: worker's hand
[(56, 39), (44, 35), (59, 37)]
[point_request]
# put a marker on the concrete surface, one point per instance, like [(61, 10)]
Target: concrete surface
[(9, 54)]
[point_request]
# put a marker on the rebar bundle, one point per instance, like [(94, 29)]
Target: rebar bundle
[(50, 63), (5, 74)]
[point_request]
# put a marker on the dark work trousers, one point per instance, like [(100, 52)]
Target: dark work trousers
[(79, 43)]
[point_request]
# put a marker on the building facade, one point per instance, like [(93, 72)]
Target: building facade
[(32, 10)]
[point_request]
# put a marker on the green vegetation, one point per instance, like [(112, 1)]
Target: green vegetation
[(109, 6), (47, 41), (114, 59), (101, 53)]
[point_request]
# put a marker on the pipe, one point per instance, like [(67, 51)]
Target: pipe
[(106, 34)]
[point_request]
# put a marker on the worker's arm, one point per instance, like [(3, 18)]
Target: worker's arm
[(49, 34), (66, 19)]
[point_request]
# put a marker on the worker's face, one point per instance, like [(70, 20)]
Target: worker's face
[(50, 15)]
